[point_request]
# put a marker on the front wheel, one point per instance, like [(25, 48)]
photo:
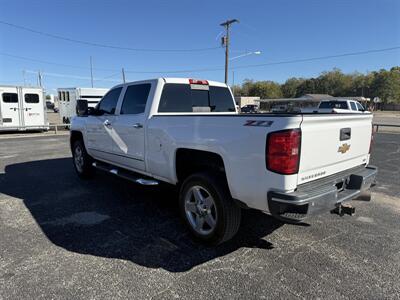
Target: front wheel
[(207, 208), (82, 160)]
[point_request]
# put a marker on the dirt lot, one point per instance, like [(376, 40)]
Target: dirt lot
[(64, 238)]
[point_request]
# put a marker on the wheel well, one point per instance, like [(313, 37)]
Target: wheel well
[(75, 135), (190, 161)]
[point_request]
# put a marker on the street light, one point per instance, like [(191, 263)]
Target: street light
[(225, 41), (246, 54)]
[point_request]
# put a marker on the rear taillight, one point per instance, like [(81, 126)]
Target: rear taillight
[(283, 151)]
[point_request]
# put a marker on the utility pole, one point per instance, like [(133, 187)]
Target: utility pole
[(91, 70), (40, 79), (233, 83), (123, 75), (225, 42)]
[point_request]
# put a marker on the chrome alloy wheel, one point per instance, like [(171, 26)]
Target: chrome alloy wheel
[(78, 158), (200, 210)]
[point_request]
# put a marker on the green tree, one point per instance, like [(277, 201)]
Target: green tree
[(386, 85), (265, 90), (289, 88)]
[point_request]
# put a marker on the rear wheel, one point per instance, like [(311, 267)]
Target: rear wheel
[(208, 209), (82, 160)]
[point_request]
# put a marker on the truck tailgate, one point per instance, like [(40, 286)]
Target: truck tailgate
[(333, 143)]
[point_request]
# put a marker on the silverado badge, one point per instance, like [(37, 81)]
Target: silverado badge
[(344, 148)]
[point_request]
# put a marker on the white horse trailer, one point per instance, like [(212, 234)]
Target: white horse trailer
[(67, 100), (22, 108)]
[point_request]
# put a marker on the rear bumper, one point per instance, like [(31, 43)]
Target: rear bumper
[(321, 195)]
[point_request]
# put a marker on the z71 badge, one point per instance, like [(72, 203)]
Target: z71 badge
[(258, 123)]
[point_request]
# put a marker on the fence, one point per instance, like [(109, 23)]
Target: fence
[(377, 125)]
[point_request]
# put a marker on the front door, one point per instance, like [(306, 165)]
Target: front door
[(32, 107), (10, 107), (99, 127), (129, 126)]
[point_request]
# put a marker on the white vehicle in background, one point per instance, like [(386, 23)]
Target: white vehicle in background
[(188, 133), (67, 100), (341, 106), (22, 108)]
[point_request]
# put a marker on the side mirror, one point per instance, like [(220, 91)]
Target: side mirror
[(81, 107)]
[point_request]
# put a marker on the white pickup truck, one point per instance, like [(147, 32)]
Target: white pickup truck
[(341, 106), (187, 133)]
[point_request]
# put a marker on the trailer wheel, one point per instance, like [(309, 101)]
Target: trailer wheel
[(207, 208), (82, 160)]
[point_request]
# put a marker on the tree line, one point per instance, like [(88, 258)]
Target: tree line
[(384, 84)]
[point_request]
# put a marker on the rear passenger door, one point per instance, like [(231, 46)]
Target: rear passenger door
[(100, 133), (129, 126)]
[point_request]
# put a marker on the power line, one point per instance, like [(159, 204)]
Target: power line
[(217, 68), (52, 63), (319, 58), (71, 76), (59, 37)]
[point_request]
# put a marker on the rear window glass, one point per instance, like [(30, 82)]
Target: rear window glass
[(10, 98), (135, 99), (334, 104), (31, 98), (181, 98)]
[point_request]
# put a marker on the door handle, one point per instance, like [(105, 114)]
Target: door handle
[(107, 123), (137, 125)]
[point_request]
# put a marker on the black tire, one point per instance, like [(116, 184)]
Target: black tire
[(228, 212), (84, 167)]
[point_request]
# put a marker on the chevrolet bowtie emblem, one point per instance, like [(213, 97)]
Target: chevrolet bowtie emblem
[(344, 148)]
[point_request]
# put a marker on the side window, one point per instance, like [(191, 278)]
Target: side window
[(135, 99), (59, 96), (63, 96), (360, 107), (67, 96), (109, 102), (31, 98), (353, 106), (10, 98)]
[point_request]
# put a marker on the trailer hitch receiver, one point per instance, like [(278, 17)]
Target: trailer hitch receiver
[(344, 209)]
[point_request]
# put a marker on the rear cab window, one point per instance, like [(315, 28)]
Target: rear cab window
[(194, 98), (334, 104), (353, 106)]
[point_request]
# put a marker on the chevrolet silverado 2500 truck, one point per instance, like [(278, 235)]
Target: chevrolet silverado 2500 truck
[(187, 133)]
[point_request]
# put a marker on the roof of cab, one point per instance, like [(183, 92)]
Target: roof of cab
[(186, 81), (174, 80)]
